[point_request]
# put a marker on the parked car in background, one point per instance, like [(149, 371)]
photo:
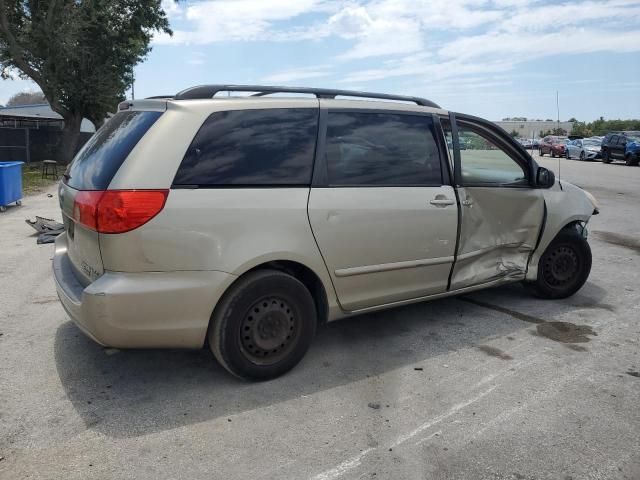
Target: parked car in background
[(583, 149), (243, 224), (621, 146), (553, 145), (632, 152)]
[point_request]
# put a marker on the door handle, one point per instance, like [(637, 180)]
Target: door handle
[(441, 202)]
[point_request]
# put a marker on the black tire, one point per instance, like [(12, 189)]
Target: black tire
[(564, 266), (630, 161), (553, 154), (606, 158), (541, 153), (582, 157), (263, 326)]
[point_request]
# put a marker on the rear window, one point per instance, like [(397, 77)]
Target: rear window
[(97, 162), (252, 147)]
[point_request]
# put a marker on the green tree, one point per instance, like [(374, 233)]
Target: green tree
[(26, 98), (573, 120), (514, 133), (81, 53)]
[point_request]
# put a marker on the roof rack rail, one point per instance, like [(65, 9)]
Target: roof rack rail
[(208, 91)]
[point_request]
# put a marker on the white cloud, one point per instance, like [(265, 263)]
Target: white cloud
[(235, 20), (298, 74), (196, 58), (420, 39)]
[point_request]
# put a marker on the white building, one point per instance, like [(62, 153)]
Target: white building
[(532, 128)]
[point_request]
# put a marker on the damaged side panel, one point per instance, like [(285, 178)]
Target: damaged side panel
[(499, 228), (564, 206)]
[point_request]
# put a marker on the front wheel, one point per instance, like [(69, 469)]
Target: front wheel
[(541, 153), (263, 325), (630, 161), (582, 156), (564, 266), (606, 158)]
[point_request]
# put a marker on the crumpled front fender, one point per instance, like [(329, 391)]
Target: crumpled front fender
[(565, 206)]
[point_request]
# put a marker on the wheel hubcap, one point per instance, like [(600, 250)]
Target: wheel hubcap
[(268, 330), (560, 267)]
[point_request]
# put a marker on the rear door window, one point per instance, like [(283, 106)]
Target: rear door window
[(252, 147), (97, 162), (382, 149)]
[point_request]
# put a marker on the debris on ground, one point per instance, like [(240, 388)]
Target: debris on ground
[(375, 406), (47, 228)]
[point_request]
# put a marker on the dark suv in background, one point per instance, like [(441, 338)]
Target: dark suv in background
[(553, 145), (621, 146)]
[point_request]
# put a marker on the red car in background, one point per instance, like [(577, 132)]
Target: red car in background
[(554, 145)]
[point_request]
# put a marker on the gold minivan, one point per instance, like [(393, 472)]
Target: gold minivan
[(249, 220)]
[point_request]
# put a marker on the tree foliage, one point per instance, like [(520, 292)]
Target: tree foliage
[(26, 98), (602, 127), (81, 53)]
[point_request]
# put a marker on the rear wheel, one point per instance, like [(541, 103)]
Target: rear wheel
[(564, 266), (553, 154), (582, 156), (263, 325), (541, 153), (606, 158), (630, 161)]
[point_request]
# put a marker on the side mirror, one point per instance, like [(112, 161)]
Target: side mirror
[(545, 178)]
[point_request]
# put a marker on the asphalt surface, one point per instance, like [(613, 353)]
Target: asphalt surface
[(483, 388)]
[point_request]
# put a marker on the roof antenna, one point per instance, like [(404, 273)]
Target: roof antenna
[(558, 132)]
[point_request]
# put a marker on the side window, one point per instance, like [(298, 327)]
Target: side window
[(252, 147), (483, 161), (613, 140), (381, 149)]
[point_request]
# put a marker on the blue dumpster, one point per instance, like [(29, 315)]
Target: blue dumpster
[(10, 183)]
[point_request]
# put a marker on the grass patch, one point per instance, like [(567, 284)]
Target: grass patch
[(32, 181)]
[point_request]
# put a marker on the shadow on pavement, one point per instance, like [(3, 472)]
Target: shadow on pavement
[(136, 392)]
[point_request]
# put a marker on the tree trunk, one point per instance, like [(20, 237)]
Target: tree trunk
[(70, 137)]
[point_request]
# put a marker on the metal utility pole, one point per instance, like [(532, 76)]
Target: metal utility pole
[(558, 109)]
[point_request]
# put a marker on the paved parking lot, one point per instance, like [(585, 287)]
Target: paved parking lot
[(476, 388)]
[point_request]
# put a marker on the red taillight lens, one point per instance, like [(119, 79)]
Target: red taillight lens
[(118, 211), (85, 208)]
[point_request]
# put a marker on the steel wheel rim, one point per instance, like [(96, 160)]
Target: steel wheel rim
[(561, 267), (269, 330)]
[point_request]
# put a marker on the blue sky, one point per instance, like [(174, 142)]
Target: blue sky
[(493, 58)]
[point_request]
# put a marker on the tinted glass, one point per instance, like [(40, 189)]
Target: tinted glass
[(613, 140), (484, 162), (97, 162), (252, 147), (381, 149)]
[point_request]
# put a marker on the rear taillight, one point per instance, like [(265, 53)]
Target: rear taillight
[(117, 211)]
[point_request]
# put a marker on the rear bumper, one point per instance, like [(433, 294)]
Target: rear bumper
[(140, 310)]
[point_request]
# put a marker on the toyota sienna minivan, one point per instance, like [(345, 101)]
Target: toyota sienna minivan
[(244, 222)]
